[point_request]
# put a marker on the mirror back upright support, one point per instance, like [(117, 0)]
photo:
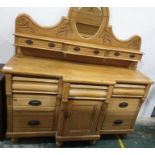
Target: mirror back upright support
[(71, 41)]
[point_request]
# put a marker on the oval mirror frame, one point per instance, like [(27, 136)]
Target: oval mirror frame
[(73, 12)]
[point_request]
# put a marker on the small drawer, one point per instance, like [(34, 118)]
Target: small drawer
[(119, 54), (85, 51), (32, 121), (117, 122), (34, 43), (34, 85), (124, 106), (87, 91), (32, 102)]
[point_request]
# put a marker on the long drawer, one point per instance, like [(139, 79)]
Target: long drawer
[(34, 85), (34, 102), (85, 51), (87, 91), (127, 90), (124, 55), (35, 43), (32, 121)]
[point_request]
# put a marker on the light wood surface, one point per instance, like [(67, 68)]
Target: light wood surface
[(78, 72)]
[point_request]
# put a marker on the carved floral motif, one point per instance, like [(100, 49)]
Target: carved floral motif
[(106, 37), (64, 28), (23, 24)]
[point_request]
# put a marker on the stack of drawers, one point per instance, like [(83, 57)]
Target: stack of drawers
[(34, 103), (123, 108), (120, 115)]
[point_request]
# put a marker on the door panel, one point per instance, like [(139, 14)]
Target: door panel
[(81, 117)]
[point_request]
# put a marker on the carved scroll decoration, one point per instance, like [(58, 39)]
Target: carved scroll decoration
[(135, 43), (64, 29), (106, 37), (67, 29), (23, 24)]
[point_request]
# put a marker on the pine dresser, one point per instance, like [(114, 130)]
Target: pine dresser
[(74, 80)]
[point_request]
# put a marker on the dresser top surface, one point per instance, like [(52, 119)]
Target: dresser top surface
[(74, 72)]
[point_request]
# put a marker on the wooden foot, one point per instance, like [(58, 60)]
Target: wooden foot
[(14, 140), (59, 144), (93, 142)]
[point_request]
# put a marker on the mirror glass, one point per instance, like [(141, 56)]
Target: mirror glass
[(88, 20)]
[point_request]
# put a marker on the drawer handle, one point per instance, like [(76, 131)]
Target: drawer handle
[(35, 102), (132, 56), (117, 54), (118, 122), (123, 104), (96, 51), (29, 42), (77, 49), (51, 44), (34, 122)]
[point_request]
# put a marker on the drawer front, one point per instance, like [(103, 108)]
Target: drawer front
[(118, 54), (128, 107), (34, 43), (32, 121), (85, 51), (127, 90), (34, 85), (118, 122), (87, 91), (32, 102)]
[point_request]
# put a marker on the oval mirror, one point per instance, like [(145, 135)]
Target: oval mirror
[(88, 21)]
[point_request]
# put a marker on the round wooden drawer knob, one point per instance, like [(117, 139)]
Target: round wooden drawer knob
[(77, 49), (51, 44), (96, 51), (132, 56), (29, 42), (117, 54)]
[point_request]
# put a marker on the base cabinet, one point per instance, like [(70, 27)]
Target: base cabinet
[(69, 111)]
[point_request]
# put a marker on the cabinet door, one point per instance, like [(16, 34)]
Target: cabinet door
[(81, 117)]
